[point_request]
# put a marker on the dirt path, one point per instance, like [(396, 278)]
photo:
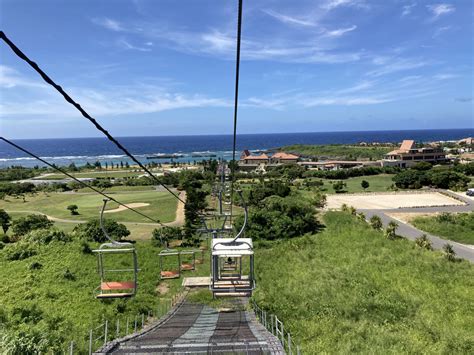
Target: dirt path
[(179, 219)]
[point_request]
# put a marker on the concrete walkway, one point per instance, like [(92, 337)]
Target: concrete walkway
[(410, 232)]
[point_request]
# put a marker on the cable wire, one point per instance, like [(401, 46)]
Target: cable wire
[(236, 104), (48, 80), (79, 181)]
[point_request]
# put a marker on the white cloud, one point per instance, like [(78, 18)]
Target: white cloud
[(341, 31), (439, 31), (333, 4), (445, 76), (389, 65), (11, 78), (407, 9), (290, 19), (124, 44), (440, 9), (109, 24)]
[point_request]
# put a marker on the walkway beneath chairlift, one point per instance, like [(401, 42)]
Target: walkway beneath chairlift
[(197, 329)]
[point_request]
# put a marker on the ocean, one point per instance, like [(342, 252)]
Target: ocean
[(82, 150)]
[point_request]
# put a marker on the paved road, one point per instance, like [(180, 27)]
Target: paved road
[(410, 232), (196, 328)]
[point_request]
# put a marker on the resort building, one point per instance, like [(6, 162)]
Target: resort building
[(260, 161), (408, 155)]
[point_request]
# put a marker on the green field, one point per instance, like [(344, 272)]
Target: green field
[(377, 183), (349, 289), (338, 151), (48, 309), (95, 174), (457, 227), (162, 205)]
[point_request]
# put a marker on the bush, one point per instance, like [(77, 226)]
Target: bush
[(391, 230), (162, 236), (35, 266), (91, 230), (46, 236), (85, 248), (376, 222), (280, 218), (23, 225), (424, 242), (19, 251), (449, 252), (68, 275)]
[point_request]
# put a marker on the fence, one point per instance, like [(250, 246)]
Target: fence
[(120, 327), (276, 327)]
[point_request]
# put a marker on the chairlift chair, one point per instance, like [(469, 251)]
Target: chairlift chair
[(115, 288), (170, 273), (227, 258), (188, 260)]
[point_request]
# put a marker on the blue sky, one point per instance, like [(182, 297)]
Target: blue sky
[(167, 67)]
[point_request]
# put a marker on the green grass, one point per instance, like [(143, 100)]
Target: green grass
[(456, 227), (349, 289), (338, 151), (68, 308), (95, 174), (161, 205), (120, 189), (377, 183)]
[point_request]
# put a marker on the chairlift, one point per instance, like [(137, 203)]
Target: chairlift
[(119, 286), (188, 260), (166, 272), (227, 259)]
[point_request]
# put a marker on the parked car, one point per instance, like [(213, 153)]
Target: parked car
[(470, 192)]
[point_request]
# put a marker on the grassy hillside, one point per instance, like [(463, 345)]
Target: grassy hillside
[(457, 227), (377, 183), (162, 205), (44, 305), (338, 151), (348, 289)]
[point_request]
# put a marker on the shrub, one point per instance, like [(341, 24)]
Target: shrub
[(339, 186), (280, 218), (19, 251), (91, 230), (68, 275), (46, 236), (23, 225), (376, 222), (449, 252), (5, 220), (2, 245), (424, 242), (35, 266), (162, 236), (85, 248), (73, 209), (391, 230), (365, 184)]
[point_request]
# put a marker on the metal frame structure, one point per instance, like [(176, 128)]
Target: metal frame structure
[(170, 274), (115, 289), (227, 254), (184, 264)]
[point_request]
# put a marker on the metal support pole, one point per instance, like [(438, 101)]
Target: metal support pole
[(135, 329), (105, 331), (71, 348), (289, 345), (90, 342), (298, 352), (118, 328), (143, 320), (126, 330)]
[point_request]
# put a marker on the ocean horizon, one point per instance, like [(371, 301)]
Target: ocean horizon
[(64, 151)]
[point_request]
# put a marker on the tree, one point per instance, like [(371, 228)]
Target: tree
[(162, 236), (91, 230), (339, 186), (391, 231), (5, 220), (376, 222), (73, 209), (23, 225), (365, 184)]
